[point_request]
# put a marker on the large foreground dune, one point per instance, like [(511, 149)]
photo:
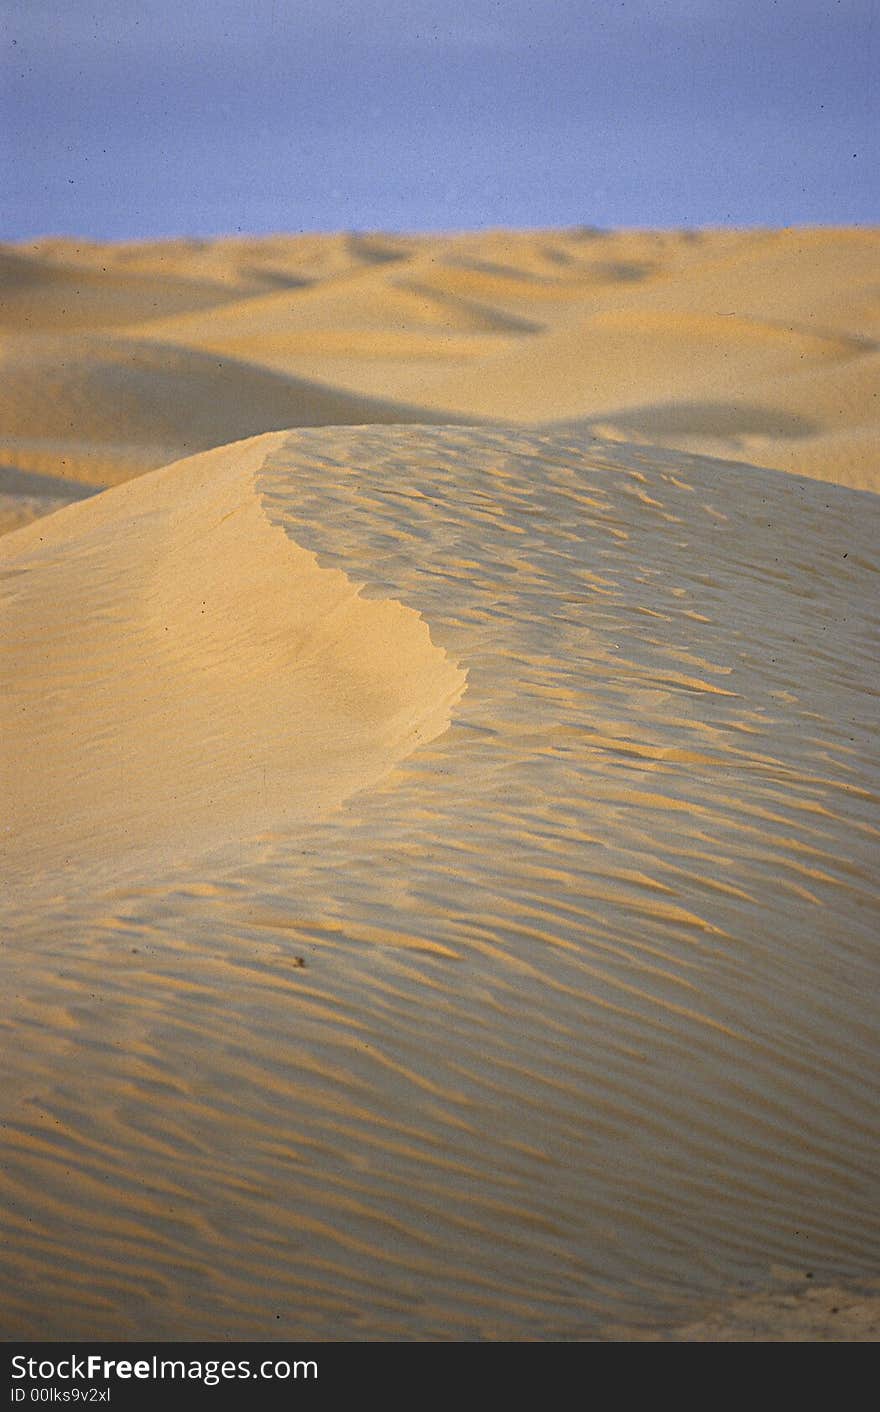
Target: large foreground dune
[(440, 860)]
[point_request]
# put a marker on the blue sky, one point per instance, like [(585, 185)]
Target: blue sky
[(127, 118)]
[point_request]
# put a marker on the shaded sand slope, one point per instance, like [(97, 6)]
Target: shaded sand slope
[(26, 495), (176, 670), (586, 1034), (107, 409), (43, 295)]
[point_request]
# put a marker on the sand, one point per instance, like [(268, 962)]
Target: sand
[(439, 854)]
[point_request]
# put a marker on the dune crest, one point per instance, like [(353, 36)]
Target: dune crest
[(324, 1019), (758, 345), (107, 409), (180, 673), (568, 1021)]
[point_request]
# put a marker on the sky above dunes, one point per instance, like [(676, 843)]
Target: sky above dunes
[(124, 118)]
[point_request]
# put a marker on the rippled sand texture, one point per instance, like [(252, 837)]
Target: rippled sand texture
[(565, 1022), (759, 346)]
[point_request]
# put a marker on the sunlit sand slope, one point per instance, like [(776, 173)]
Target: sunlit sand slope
[(177, 672), (566, 1025)]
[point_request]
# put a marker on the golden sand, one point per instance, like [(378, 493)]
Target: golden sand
[(440, 855)]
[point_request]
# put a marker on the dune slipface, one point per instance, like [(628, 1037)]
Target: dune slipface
[(179, 674), (555, 1023)]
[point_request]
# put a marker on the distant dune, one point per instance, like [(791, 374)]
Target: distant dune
[(440, 835), (758, 346)]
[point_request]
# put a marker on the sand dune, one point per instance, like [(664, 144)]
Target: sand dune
[(207, 679), (111, 408), (40, 296), (618, 357), (440, 861), (566, 1025), (758, 346)]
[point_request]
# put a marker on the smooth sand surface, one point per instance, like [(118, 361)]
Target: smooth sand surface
[(440, 860), (196, 674)]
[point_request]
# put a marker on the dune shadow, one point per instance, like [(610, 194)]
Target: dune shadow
[(704, 419), (124, 391), (371, 250), (31, 483), (278, 279), (623, 271)]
